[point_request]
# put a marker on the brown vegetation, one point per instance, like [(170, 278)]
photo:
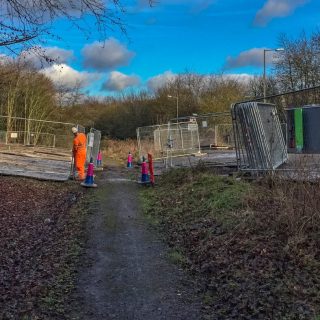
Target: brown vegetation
[(38, 247), (255, 247), (118, 149)]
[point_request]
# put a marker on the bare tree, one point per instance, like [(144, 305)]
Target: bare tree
[(255, 87), (28, 21), (299, 65)]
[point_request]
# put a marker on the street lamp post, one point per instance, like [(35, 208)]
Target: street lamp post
[(264, 70), (177, 98)]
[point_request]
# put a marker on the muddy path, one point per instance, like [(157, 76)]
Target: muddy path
[(125, 272)]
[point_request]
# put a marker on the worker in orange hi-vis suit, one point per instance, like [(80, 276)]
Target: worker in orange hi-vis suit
[(79, 152)]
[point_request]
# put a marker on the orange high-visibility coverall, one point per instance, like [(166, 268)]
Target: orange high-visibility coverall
[(79, 153)]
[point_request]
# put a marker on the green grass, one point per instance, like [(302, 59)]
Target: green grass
[(233, 236), (177, 257), (181, 195), (147, 202)]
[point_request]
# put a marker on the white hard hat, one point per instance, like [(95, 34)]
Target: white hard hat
[(74, 130)]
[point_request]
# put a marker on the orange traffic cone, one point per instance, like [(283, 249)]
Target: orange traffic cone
[(89, 183)]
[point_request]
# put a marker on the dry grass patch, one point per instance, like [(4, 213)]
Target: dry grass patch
[(119, 149)]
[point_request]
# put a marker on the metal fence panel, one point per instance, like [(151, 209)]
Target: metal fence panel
[(93, 144), (172, 139), (260, 143), (36, 132), (215, 130)]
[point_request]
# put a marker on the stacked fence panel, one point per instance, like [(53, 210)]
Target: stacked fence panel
[(259, 140)]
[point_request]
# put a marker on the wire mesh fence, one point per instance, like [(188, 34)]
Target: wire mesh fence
[(36, 133), (169, 140), (93, 144), (215, 130), (28, 138)]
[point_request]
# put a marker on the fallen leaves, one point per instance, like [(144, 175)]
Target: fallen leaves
[(35, 229)]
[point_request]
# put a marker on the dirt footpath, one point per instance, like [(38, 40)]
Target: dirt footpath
[(125, 272)]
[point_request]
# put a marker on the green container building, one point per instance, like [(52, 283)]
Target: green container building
[(298, 129)]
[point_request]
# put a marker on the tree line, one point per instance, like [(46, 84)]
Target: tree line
[(27, 93)]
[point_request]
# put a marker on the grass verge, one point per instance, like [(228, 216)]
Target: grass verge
[(255, 247)]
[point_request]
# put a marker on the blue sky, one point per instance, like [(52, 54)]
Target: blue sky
[(203, 36)]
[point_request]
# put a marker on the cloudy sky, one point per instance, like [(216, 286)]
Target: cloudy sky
[(203, 36)]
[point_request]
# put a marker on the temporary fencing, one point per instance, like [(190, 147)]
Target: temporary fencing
[(259, 139), (36, 132), (215, 130), (169, 140), (280, 133), (299, 114), (93, 144), (28, 138)]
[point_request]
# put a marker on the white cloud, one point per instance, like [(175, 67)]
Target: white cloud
[(118, 81), (65, 76), (252, 57), (160, 80), (106, 55), (4, 59), (276, 8), (41, 57)]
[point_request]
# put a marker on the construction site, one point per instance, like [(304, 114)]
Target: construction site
[(158, 162), (266, 136), (41, 149), (220, 166)]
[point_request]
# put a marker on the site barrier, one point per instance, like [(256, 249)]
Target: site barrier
[(260, 143), (290, 128), (36, 132), (215, 129), (93, 144), (169, 140)]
